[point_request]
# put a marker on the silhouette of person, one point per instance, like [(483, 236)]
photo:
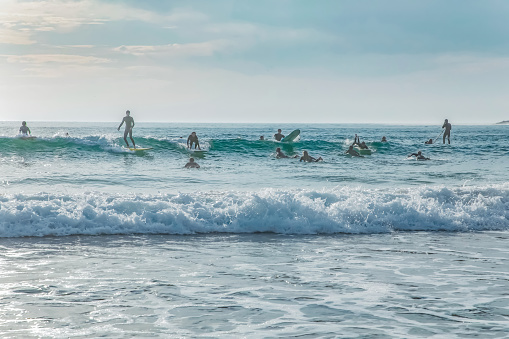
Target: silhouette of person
[(447, 132), (129, 124)]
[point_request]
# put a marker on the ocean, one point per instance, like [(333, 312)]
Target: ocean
[(100, 241)]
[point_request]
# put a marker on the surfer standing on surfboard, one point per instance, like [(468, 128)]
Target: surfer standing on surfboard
[(193, 139), (129, 124), (24, 130)]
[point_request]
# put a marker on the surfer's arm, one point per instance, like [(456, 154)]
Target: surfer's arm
[(29, 132), (188, 139), (120, 124)]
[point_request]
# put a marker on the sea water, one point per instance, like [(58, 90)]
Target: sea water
[(97, 240)]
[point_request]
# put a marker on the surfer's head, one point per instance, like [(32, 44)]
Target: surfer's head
[(24, 123), (446, 120), (279, 130), (128, 112), (191, 159)]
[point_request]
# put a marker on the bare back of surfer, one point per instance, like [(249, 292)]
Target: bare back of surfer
[(24, 130), (192, 164), (129, 124)]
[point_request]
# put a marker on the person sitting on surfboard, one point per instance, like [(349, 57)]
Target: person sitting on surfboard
[(429, 142), (384, 139), (278, 136), (129, 124), (418, 156), (193, 138), (192, 164), (307, 158), (353, 152), (24, 130)]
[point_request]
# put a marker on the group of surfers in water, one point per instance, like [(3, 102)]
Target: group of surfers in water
[(192, 140)]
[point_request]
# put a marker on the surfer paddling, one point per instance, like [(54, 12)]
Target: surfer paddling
[(24, 130), (192, 164), (447, 132), (352, 152), (281, 155), (193, 139), (278, 136), (129, 124), (418, 156), (307, 158)]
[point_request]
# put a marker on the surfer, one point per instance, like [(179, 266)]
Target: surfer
[(278, 136), (192, 164), (129, 124), (384, 139), (447, 132), (193, 138), (352, 152), (363, 145), (307, 158), (261, 137), (24, 130), (356, 140), (418, 156), (429, 142), (281, 155)]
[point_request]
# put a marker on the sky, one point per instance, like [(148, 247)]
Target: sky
[(277, 61)]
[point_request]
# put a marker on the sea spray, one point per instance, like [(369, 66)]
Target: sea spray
[(327, 211)]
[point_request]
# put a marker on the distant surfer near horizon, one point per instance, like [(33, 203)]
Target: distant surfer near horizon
[(192, 164), (384, 139), (429, 142), (447, 133), (352, 152), (261, 137), (24, 130), (193, 139), (418, 156), (129, 124), (278, 136), (307, 158)]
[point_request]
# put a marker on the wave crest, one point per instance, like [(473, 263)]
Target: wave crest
[(328, 211)]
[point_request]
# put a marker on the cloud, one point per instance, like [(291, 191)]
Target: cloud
[(14, 37), (56, 58), (208, 48)]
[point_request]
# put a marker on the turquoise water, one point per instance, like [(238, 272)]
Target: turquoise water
[(97, 240)]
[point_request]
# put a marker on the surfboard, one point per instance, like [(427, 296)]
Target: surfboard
[(362, 151), (140, 148), (291, 137), (24, 137)]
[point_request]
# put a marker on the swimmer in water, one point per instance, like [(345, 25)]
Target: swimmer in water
[(429, 142), (192, 164), (384, 139)]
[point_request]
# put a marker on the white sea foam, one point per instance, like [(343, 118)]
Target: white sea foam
[(328, 211)]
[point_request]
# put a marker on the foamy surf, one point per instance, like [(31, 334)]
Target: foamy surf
[(328, 211)]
